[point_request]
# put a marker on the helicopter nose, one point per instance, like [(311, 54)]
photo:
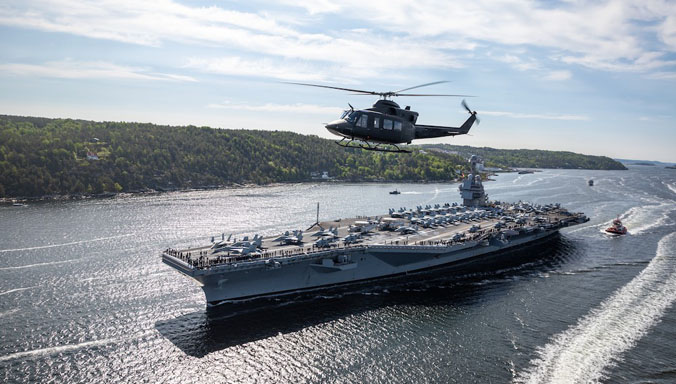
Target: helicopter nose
[(336, 126)]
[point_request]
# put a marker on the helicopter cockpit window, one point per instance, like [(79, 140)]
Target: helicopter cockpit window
[(397, 125), (350, 116), (345, 113), (387, 124)]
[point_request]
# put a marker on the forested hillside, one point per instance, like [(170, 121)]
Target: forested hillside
[(530, 158), (40, 156)]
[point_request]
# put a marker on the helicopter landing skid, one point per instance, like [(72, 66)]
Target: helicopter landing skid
[(371, 147)]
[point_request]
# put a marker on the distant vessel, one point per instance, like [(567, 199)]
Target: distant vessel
[(368, 248), (18, 204), (525, 172), (395, 192), (617, 228), (591, 183)]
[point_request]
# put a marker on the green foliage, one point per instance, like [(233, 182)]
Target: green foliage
[(49, 157), (530, 158), (40, 156)]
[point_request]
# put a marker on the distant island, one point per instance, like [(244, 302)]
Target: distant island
[(41, 157), (644, 164)]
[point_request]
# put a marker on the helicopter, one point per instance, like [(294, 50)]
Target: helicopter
[(385, 125)]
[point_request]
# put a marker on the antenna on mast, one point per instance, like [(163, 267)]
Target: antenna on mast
[(317, 221)]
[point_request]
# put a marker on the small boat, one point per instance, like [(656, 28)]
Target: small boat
[(617, 228), (18, 205), (395, 192), (591, 183)]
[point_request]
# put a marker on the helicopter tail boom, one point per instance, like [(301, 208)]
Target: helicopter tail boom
[(430, 131)]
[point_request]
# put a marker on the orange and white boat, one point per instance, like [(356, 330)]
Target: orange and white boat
[(617, 228)]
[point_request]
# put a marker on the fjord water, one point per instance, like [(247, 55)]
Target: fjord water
[(84, 296)]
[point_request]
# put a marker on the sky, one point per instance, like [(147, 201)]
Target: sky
[(593, 77)]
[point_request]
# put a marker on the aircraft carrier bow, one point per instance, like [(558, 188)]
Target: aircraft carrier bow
[(368, 248)]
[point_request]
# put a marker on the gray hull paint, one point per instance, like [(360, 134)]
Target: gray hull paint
[(318, 270)]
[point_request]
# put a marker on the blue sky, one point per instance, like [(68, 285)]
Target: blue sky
[(593, 77)]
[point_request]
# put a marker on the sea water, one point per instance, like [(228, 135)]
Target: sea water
[(84, 296)]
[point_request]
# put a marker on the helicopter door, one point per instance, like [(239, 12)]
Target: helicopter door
[(362, 122)]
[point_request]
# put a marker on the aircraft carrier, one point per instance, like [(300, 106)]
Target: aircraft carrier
[(358, 250)]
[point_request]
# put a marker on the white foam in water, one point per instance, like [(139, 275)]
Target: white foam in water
[(436, 193), (9, 312), (641, 219), (38, 264), (64, 244), (53, 350), (583, 352), (671, 187), (15, 290)]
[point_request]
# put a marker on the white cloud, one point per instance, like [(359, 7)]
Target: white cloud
[(155, 22), (607, 35), (516, 115), (518, 63), (610, 35), (558, 75), (69, 69), (289, 108), (667, 31), (663, 76), (279, 69)]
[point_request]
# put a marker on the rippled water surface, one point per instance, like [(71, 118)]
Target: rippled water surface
[(84, 296)]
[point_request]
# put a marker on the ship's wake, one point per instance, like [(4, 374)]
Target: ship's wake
[(16, 290), (671, 187), (38, 264), (583, 352), (64, 244), (54, 350), (644, 218)]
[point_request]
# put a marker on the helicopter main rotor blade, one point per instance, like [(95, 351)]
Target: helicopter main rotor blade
[(422, 85), (425, 94), (338, 88)]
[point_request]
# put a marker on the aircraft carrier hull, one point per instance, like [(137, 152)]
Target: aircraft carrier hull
[(326, 269)]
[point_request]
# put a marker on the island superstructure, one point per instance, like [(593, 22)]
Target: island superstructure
[(368, 248)]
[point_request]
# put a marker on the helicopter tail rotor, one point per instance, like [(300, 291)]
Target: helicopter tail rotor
[(464, 104)]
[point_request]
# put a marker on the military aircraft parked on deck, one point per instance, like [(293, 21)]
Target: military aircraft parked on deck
[(352, 238), (407, 229), (295, 238), (361, 226), (325, 242), (228, 245), (326, 232)]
